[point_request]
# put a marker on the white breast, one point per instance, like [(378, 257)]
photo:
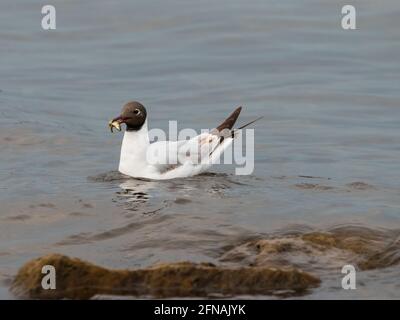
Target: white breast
[(133, 152)]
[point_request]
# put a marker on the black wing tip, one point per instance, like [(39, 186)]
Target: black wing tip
[(237, 111), (230, 121)]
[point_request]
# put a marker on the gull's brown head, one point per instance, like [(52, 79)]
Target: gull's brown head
[(133, 114)]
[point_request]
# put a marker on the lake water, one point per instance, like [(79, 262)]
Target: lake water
[(327, 153)]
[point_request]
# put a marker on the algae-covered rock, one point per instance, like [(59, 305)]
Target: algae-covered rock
[(387, 257), (77, 279), (324, 240), (321, 251)]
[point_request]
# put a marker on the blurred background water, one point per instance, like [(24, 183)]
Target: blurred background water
[(327, 152)]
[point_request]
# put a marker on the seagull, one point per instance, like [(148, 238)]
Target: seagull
[(163, 160)]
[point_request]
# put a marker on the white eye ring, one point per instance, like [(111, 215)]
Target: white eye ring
[(136, 111)]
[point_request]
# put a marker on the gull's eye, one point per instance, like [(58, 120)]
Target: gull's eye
[(136, 111)]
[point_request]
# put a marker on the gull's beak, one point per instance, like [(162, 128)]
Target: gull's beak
[(115, 123)]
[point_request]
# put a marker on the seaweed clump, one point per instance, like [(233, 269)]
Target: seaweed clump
[(321, 251), (77, 279)]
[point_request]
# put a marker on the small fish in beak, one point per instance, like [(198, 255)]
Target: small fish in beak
[(114, 124)]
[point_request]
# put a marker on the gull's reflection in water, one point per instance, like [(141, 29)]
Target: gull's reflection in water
[(135, 194), (150, 196)]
